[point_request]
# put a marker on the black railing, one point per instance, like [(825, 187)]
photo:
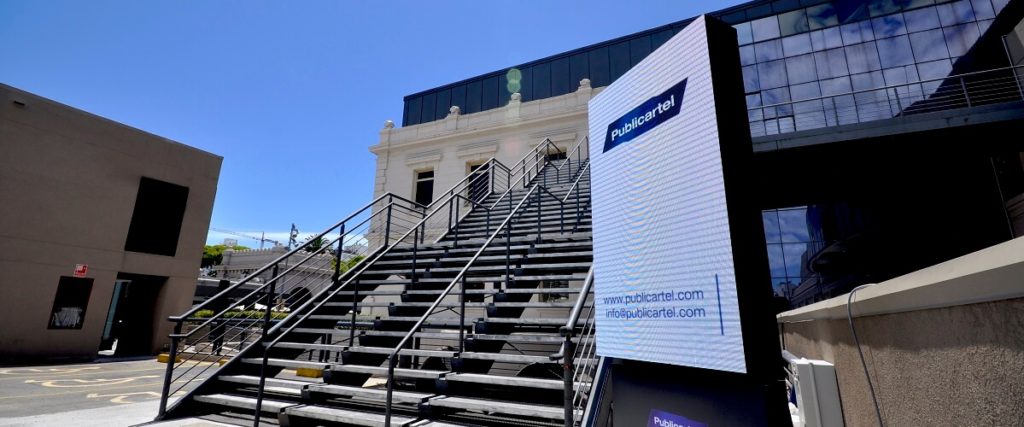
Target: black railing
[(464, 192), (533, 196), (576, 391), (959, 91), (210, 333)]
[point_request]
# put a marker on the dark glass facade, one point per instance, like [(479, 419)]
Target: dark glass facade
[(790, 50), (810, 64)]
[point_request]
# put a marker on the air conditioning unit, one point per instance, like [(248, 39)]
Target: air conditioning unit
[(814, 391)]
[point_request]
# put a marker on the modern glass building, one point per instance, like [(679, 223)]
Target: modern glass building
[(835, 89)]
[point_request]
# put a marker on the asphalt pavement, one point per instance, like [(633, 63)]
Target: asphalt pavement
[(38, 390)]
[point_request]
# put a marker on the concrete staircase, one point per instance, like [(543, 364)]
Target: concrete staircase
[(479, 359)]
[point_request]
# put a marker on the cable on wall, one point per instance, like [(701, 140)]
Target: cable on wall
[(856, 340)]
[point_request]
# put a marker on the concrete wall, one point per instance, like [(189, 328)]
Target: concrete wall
[(68, 183), (943, 346)]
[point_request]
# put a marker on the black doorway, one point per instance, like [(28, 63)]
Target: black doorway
[(130, 317)]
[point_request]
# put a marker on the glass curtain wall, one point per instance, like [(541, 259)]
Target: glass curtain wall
[(847, 46)]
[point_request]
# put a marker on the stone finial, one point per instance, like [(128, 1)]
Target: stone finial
[(455, 110), (388, 124), (517, 97), (585, 84)]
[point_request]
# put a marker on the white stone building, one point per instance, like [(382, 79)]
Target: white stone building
[(446, 151)]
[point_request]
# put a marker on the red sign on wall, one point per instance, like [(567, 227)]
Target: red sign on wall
[(81, 270)]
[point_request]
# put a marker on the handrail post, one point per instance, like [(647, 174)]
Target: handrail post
[(261, 386), (355, 302), (899, 104), (835, 114), (337, 256), (266, 350), (561, 216), (462, 316), (172, 355), (456, 202), (568, 373), (578, 213), (967, 97), (387, 227), (390, 387), (539, 201), (508, 252), (270, 302), (415, 246), (449, 215)]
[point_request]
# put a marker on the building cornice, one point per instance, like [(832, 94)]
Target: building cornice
[(478, 125)]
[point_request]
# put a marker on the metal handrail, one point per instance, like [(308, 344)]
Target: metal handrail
[(269, 282), (885, 88), (537, 191), (172, 359), (393, 356), (415, 231), (426, 213), (569, 329), (966, 90), (362, 265), (263, 269), (576, 183), (567, 352)]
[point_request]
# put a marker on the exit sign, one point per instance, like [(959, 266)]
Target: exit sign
[(81, 270)]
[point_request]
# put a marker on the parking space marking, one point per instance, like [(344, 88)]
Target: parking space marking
[(98, 382), (120, 397), (36, 371)]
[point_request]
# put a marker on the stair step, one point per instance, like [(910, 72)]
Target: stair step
[(499, 407), (531, 278), (406, 352), (478, 241), (286, 363), (343, 320), (430, 423), (522, 338), (311, 346), (346, 416), (516, 337), (506, 358), (377, 394), (582, 244), (526, 321), (559, 266), (506, 291), (282, 386), (547, 384), (379, 371), (566, 304), (243, 402), (462, 260)]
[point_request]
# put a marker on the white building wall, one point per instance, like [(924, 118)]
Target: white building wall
[(451, 145)]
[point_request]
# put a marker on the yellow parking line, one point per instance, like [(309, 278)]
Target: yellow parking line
[(87, 391), (71, 374)]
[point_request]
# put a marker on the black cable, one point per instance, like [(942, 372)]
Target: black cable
[(871, 387)]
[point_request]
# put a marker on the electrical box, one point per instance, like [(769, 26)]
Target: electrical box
[(813, 386)]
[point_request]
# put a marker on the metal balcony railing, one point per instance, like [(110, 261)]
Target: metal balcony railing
[(960, 91)]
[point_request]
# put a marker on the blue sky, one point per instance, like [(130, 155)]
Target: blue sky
[(291, 94)]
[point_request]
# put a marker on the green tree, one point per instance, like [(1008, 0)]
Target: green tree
[(347, 265), (316, 244), (214, 254)]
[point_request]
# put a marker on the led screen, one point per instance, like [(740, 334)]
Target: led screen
[(665, 286)]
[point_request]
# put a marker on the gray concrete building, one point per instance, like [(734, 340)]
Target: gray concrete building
[(102, 229)]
